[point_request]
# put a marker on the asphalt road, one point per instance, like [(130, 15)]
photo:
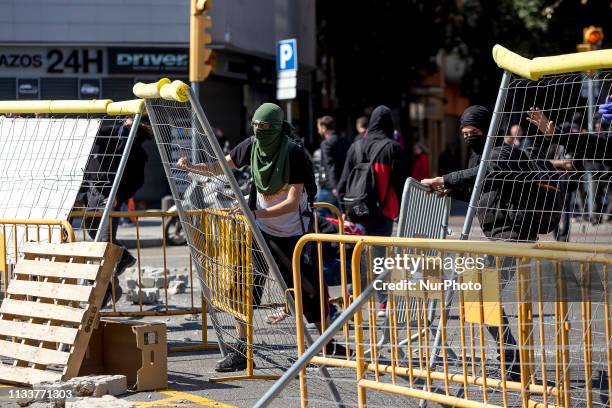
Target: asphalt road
[(189, 372)]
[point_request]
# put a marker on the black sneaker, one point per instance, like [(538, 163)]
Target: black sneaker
[(126, 261), (233, 361), (513, 372), (334, 349), (513, 367)]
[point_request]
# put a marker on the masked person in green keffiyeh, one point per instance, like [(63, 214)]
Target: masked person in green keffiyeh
[(269, 154), (280, 168)]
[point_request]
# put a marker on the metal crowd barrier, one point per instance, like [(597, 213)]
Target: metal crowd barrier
[(344, 299), (416, 199), (169, 310), (33, 230), (561, 356)]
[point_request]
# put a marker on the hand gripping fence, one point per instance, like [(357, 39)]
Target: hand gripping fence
[(240, 279)]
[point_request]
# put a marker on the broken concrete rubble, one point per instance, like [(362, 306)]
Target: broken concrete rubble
[(149, 296), (87, 386), (176, 287)]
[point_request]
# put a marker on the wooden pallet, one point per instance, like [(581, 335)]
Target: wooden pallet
[(51, 306)]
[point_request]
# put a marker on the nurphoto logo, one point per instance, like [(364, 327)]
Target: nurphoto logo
[(409, 264)]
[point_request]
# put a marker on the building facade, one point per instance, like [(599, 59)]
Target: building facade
[(92, 49)]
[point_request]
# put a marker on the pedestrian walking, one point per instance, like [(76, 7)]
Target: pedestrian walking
[(372, 183), (333, 155)]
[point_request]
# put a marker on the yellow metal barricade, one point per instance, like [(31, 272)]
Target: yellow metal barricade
[(221, 251), (33, 230), (560, 354), (343, 299), (137, 216), (227, 269)]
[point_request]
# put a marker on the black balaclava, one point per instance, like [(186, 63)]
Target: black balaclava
[(479, 117)]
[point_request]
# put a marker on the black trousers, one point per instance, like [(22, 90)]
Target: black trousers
[(282, 250), (507, 272)]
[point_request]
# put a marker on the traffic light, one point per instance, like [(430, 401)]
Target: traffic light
[(592, 37), (201, 58)]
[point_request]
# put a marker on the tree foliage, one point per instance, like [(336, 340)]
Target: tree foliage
[(374, 51), (529, 27)]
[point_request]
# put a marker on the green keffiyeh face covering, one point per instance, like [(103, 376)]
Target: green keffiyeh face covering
[(269, 156)]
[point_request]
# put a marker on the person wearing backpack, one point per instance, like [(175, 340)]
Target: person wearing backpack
[(283, 186), (372, 182)]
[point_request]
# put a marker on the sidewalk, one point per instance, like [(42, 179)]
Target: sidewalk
[(149, 231)]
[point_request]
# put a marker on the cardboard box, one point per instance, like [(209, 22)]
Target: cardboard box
[(137, 350)]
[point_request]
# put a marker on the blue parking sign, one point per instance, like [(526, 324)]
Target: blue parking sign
[(286, 55)]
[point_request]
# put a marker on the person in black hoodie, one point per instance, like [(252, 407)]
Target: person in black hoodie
[(99, 175), (459, 185), (390, 171), (510, 205), (520, 194)]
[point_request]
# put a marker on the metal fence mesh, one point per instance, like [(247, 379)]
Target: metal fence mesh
[(553, 182), (536, 334), (54, 167), (231, 265)]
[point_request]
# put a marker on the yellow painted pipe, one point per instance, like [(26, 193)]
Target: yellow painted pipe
[(424, 395), (50, 107), (149, 91), (41, 222), (94, 106), (436, 375), (527, 250), (125, 107), (136, 214), (538, 67), (574, 246), (175, 91), (137, 313)]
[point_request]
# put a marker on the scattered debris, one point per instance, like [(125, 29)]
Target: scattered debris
[(59, 393), (107, 401), (177, 287), (149, 296)]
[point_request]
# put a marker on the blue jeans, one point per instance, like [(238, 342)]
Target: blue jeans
[(382, 228), (324, 195)]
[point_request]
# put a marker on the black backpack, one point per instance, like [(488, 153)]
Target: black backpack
[(361, 202)]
